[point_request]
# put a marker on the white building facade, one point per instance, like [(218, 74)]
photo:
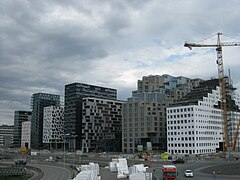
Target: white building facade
[(26, 134), (53, 120), (198, 129)]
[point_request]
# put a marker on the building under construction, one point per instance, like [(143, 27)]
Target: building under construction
[(196, 119)]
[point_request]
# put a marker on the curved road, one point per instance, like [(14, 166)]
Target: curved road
[(203, 170), (53, 172)]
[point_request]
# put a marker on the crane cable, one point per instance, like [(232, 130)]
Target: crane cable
[(226, 35), (207, 38)]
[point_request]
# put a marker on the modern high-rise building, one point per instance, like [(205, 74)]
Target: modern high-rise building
[(53, 121), (19, 118), (74, 93), (26, 135), (39, 101), (144, 114), (101, 125), (6, 135), (195, 124)]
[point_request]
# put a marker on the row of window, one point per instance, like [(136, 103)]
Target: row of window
[(197, 127), (191, 144), (179, 127), (199, 121), (136, 134), (178, 133), (191, 109), (182, 139), (179, 116), (200, 151), (179, 121), (192, 139), (180, 110)]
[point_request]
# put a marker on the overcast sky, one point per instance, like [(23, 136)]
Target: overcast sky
[(45, 45)]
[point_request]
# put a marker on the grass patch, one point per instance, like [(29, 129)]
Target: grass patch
[(25, 177)]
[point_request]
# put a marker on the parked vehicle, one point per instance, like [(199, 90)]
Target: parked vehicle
[(169, 172), (21, 162), (178, 161), (188, 173)]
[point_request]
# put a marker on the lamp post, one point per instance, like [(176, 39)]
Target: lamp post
[(64, 150), (74, 142), (74, 146)]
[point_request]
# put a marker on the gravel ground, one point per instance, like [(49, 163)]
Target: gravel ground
[(106, 174)]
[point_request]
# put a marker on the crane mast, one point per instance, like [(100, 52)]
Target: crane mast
[(223, 97), (222, 84), (235, 137)]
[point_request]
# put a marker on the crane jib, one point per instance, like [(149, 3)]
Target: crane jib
[(212, 45), (222, 85)]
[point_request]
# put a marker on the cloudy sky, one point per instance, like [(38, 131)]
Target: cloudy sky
[(45, 45)]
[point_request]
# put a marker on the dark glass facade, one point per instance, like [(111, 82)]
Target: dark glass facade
[(19, 118), (74, 93), (39, 101)]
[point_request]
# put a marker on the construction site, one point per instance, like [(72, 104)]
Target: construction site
[(229, 106)]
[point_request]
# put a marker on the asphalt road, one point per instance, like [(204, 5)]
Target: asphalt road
[(53, 172), (203, 170)]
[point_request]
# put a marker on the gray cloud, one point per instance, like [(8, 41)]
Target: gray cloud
[(45, 45)]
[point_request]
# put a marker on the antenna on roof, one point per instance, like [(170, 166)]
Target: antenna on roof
[(229, 76)]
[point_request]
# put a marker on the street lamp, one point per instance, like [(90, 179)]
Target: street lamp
[(74, 142), (64, 150)]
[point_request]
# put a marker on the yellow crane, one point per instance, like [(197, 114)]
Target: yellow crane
[(235, 137), (222, 85)]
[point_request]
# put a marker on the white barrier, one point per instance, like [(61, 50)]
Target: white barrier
[(135, 172), (122, 168), (140, 176), (137, 168), (88, 172)]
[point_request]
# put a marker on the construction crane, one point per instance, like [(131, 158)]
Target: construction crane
[(221, 81), (235, 137)]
